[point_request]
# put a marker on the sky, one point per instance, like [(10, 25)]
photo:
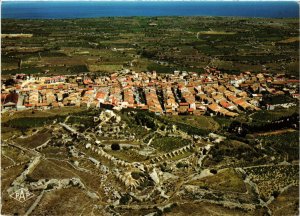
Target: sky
[(153, 0)]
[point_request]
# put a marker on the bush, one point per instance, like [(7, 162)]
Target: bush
[(204, 187), (115, 147), (167, 144), (275, 194), (135, 175), (213, 171), (181, 165), (125, 199)]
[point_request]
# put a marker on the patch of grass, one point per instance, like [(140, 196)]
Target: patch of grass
[(109, 68), (35, 140), (8, 132), (286, 203), (293, 68), (181, 156), (46, 169), (15, 154), (128, 155), (203, 122), (78, 69), (226, 180), (31, 122), (41, 118), (279, 99), (30, 70), (224, 122), (217, 33), (273, 115), (167, 144), (85, 120), (64, 111), (284, 144), (271, 179), (160, 68), (240, 152), (192, 130)]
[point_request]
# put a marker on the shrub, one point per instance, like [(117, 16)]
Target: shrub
[(115, 147), (213, 171)]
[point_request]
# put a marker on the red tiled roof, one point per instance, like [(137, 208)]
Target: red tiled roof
[(183, 104), (86, 82), (42, 104), (225, 104), (3, 96), (12, 97), (213, 106), (100, 95)]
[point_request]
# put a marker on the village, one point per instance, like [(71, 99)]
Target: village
[(180, 93)]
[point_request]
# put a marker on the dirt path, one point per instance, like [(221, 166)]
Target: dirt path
[(275, 132), (34, 205), (9, 158)]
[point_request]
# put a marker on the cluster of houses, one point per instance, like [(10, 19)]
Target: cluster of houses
[(171, 94)]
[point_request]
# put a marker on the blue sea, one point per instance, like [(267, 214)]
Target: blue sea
[(91, 9)]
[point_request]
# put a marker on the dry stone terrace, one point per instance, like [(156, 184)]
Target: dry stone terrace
[(171, 94), (145, 176), (89, 157)]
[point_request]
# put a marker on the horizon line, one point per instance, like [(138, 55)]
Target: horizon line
[(149, 1)]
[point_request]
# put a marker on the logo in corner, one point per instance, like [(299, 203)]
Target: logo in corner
[(22, 195)]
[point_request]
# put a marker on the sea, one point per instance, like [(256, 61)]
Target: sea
[(93, 9)]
